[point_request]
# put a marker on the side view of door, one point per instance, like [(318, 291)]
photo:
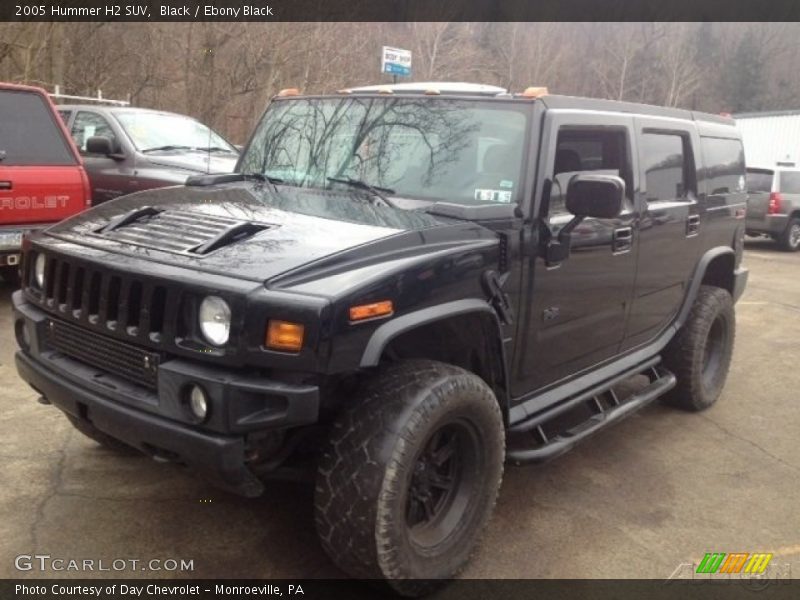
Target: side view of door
[(574, 313), (670, 227), (106, 172)]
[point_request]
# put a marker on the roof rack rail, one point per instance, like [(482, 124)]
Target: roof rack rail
[(57, 95), (430, 88)]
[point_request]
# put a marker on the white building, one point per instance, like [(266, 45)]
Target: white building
[(770, 138)]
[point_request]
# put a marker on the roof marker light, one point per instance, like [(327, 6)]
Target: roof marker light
[(535, 92)]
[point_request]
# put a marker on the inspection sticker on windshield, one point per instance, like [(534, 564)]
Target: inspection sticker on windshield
[(493, 195)]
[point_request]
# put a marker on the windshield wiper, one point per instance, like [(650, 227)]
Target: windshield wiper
[(377, 192), (215, 149), (166, 148), (273, 181)]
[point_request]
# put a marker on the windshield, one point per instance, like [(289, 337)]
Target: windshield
[(152, 131), (462, 151)]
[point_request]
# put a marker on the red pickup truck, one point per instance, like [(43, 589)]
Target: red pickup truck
[(42, 179)]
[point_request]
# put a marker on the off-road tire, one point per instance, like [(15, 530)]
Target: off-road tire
[(700, 354), (101, 438), (790, 238), (369, 474)]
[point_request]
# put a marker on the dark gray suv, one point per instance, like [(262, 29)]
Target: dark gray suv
[(129, 149)]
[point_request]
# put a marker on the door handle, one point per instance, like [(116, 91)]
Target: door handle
[(622, 240), (5, 185), (692, 225)]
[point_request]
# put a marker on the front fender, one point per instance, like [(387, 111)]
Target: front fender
[(391, 329)]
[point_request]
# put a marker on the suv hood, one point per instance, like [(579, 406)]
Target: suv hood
[(289, 232), (196, 162)]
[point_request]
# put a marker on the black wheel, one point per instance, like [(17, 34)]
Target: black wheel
[(700, 354), (790, 238), (101, 438), (410, 475), (10, 275)]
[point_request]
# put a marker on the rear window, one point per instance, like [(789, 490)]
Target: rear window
[(759, 181), (790, 182), (29, 134)]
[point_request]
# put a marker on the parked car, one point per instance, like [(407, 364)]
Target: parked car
[(388, 298), (129, 149), (773, 205), (41, 176)]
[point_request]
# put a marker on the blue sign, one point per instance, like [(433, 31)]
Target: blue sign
[(396, 61)]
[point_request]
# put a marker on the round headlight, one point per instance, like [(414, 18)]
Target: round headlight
[(198, 403), (38, 271), (215, 320)]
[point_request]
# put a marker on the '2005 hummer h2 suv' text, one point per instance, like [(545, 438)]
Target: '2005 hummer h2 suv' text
[(401, 290)]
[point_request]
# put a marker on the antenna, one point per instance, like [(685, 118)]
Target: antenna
[(208, 152)]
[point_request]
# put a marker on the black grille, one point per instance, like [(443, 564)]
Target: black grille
[(111, 303), (177, 231), (110, 355)]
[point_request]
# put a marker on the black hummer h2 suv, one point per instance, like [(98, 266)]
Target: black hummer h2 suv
[(401, 290)]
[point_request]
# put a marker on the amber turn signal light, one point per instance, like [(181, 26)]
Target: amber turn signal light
[(370, 311), (284, 336)]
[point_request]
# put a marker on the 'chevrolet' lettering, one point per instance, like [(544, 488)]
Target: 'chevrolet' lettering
[(33, 202)]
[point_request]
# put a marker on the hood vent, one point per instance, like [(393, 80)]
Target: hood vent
[(177, 231)]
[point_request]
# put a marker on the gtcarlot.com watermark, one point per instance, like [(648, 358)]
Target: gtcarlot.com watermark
[(47, 563)]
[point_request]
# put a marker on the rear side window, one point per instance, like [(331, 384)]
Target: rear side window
[(759, 181), (790, 182), (668, 166), (725, 170), (29, 134)]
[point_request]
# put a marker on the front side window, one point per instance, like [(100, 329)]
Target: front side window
[(89, 124), (600, 150), (462, 151), (666, 163)]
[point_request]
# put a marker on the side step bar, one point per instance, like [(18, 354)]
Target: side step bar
[(605, 414)]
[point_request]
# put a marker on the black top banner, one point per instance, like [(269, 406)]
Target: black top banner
[(399, 10)]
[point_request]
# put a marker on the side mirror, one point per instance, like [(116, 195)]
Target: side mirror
[(595, 195), (99, 144), (591, 195)]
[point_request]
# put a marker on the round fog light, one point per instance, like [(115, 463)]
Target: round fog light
[(198, 402)]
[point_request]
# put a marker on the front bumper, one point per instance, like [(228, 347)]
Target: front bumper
[(157, 422)]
